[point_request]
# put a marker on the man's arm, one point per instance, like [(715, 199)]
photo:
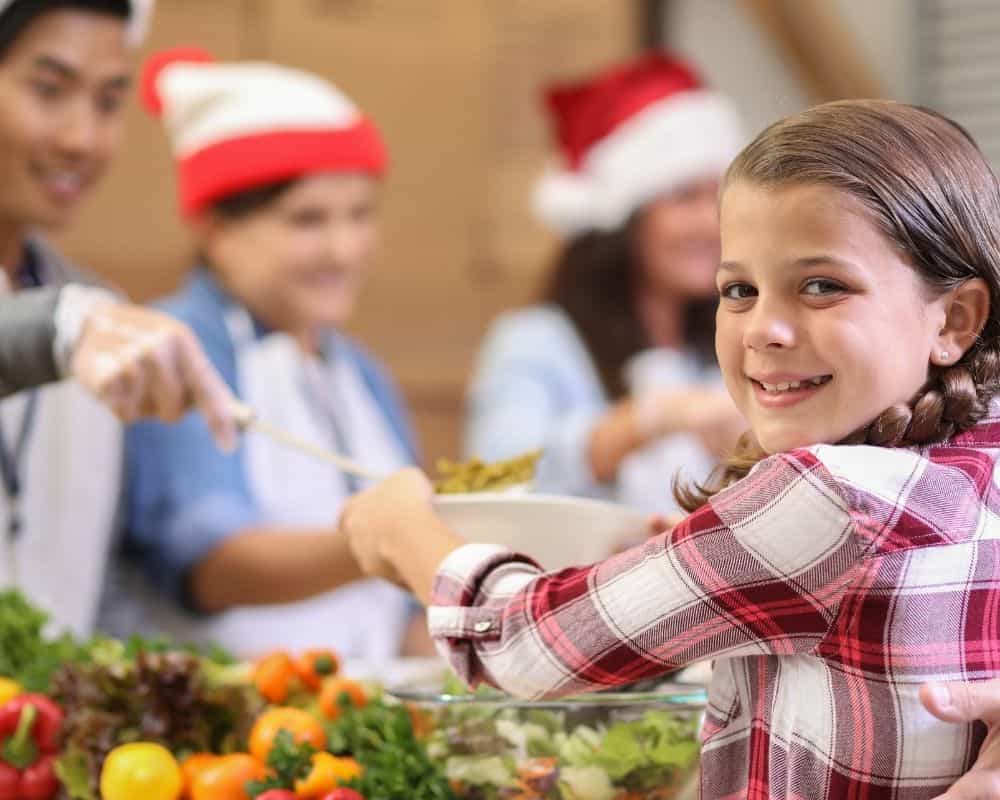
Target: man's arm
[(27, 339)]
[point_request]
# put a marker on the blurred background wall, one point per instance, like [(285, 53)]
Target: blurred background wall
[(455, 86)]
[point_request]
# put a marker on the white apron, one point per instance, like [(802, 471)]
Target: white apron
[(364, 620), (70, 489)]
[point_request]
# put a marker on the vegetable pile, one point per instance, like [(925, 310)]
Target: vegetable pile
[(107, 720)]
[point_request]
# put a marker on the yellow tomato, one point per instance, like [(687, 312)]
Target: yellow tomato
[(9, 690), (327, 772), (140, 769)]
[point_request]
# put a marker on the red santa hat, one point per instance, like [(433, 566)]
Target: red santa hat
[(628, 135), (138, 24), (237, 126)]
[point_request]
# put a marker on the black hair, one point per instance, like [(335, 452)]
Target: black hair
[(243, 204), (21, 13)]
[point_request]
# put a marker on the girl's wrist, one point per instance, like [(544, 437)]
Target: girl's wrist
[(416, 549)]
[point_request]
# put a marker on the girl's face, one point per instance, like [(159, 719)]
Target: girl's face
[(300, 262), (678, 241), (822, 323)]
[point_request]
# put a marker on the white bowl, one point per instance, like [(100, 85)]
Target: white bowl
[(558, 531)]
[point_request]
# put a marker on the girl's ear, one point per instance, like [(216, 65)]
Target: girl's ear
[(967, 308)]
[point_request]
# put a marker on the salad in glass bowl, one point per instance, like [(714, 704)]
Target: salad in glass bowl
[(605, 746)]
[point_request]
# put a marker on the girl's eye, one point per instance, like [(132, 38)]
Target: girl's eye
[(821, 286), (738, 291)]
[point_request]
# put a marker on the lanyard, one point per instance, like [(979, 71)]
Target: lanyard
[(12, 455), (11, 461)]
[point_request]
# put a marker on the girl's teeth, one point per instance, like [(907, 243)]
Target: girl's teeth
[(775, 388)]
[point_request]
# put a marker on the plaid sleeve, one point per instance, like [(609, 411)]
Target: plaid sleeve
[(758, 571)]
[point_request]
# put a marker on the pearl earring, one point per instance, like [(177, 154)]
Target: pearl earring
[(944, 355)]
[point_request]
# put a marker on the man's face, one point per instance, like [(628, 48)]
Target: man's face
[(63, 84)]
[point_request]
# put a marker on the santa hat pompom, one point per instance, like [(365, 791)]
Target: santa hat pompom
[(561, 199), (149, 90)]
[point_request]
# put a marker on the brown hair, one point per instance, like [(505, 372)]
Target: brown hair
[(929, 189), (595, 282)]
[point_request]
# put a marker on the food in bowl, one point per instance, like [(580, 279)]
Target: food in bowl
[(604, 746), (477, 475)]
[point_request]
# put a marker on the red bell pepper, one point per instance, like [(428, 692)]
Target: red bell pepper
[(29, 738)]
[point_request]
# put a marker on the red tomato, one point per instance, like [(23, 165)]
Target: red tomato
[(277, 794), (343, 794)]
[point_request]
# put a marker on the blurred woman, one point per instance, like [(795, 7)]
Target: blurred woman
[(278, 174), (614, 376)]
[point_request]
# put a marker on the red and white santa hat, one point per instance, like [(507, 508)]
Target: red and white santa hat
[(238, 126), (628, 135), (138, 24)]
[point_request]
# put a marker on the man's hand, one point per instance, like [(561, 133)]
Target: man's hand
[(967, 702)]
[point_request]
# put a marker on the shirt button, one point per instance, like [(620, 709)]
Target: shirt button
[(482, 627)]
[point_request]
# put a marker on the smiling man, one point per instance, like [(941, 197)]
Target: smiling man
[(65, 73)]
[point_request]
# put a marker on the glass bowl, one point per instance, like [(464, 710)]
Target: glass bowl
[(621, 745)]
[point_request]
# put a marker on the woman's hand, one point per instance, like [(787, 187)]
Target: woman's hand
[(706, 413), (966, 702), (142, 363)]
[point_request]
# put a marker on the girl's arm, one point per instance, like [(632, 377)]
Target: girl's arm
[(759, 571)]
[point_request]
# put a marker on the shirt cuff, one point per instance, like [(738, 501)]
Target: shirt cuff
[(75, 305), (464, 611)]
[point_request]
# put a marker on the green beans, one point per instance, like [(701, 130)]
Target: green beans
[(478, 476)]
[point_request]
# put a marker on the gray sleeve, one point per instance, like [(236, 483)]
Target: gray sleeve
[(27, 335)]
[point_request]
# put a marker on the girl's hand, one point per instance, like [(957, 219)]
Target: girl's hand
[(967, 702), (383, 522)]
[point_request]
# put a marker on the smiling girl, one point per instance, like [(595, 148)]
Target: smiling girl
[(850, 553)]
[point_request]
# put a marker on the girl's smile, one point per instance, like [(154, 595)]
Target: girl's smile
[(779, 390)]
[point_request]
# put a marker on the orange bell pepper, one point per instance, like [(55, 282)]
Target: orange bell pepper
[(303, 726), (328, 771)]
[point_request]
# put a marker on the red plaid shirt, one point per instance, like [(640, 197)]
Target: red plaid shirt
[(828, 585)]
